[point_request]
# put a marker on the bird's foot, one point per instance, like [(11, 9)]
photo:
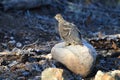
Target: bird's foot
[(67, 44)]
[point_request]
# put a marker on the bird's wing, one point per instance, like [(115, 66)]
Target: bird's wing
[(67, 27), (76, 29), (70, 26)]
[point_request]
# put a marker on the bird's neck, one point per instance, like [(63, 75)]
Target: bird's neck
[(61, 20)]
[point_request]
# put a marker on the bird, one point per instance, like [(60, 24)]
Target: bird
[(68, 31)]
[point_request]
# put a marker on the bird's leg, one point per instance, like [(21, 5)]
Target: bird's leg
[(67, 44), (77, 43)]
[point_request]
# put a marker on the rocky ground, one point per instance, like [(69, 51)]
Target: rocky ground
[(27, 36)]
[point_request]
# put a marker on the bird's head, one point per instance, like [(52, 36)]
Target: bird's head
[(59, 17)]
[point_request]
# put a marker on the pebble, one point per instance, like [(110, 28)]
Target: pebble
[(11, 37), (37, 77), (26, 73), (13, 63), (33, 67), (12, 42), (52, 74), (112, 75), (21, 78), (18, 44)]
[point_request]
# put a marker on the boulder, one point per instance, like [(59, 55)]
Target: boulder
[(77, 58)]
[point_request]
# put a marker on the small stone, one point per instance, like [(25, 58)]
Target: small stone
[(6, 52), (4, 68), (16, 51), (58, 74), (33, 67), (4, 44), (13, 63), (112, 75), (26, 73), (18, 44), (12, 42), (21, 78), (52, 74), (37, 77), (26, 42), (11, 37)]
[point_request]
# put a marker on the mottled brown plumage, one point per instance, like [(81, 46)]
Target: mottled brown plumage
[(68, 31)]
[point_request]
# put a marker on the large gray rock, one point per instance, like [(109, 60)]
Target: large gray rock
[(79, 59)]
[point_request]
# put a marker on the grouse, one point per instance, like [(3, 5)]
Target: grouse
[(68, 31)]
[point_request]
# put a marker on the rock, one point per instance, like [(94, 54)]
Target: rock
[(5, 52), (26, 73), (112, 75), (12, 42), (18, 44), (58, 74), (12, 38), (52, 74), (37, 78), (33, 67), (78, 59), (21, 78), (12, 63), (16, 51)]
